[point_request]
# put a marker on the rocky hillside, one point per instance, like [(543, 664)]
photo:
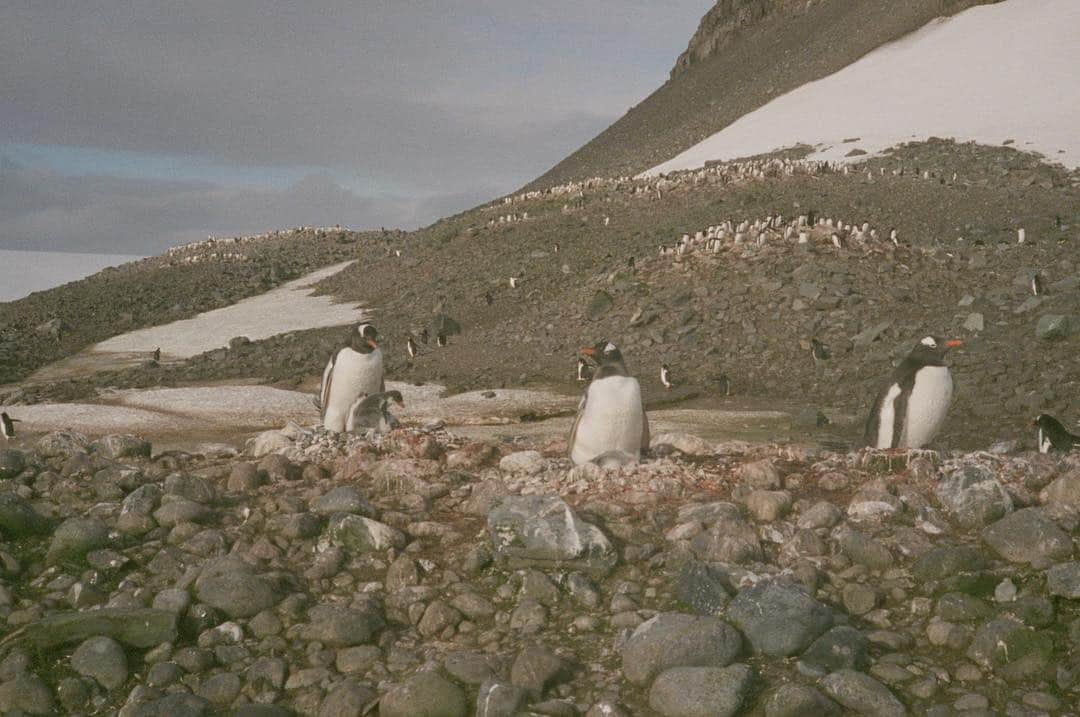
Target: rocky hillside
[(417, 574), (745, 53), (50, 325)]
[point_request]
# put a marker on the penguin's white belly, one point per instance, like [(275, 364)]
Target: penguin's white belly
[(354, 373), (611, 420), (927, 405)]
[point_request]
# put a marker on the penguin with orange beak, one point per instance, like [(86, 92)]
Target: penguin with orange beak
[(911, 409), (355, 369), (611, 427)]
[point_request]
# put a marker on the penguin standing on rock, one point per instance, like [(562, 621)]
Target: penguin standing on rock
[(665, 376), (410, 347), (1037, 285), (354, 369), (818, 351), (611, 426), (582, 370), (909, 411), (440, 340), (7, 426), (1052, 435)]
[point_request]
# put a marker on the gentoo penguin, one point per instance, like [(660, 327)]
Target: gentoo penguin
[(370, 412), (157, 355), (611, 419), (354, 369), (582, 370), (424, 335), (7, 426), (818, 350), (489, 299), (665, 376), (440, 340), (1052, 435), (410, 346), (1036, 284), (909, 411), (1021, 235), (514, 281)]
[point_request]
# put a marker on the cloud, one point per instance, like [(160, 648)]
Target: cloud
[(446, 99), (41, 209)]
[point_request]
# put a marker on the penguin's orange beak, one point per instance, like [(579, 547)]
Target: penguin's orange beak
[(372, 344), (953, 343), (589, 351)]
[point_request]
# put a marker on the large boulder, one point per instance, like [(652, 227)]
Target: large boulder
[(75, 538), (121, 446), (1013, 650), (425, 694), (362, 535), (12, 463), (18, 518), (779, 619), (1029, 536), (230, 585), (973, 497), (862, 694), (543, 531), (677, 640), (701, 691)]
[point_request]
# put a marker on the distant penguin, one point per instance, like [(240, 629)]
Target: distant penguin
[(818, 350), (1052, 436), (440, 340), (410, 346), (157, 355), (723, 385), (556, 247), (371, 412), (489, 299), (665, 376), (611, 419), (893, 238), (424, 335), (582, 370), (630, 263), (354, 369), (836, 242), (7, 426), (1021, 235), (1037, 285), (514, 282), (909, 411)]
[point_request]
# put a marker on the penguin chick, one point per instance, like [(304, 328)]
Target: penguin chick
[(372, 412), (665, 376), (1053, 436)]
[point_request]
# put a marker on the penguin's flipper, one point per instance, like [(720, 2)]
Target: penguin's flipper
[(900, 421), (573, 429), (327, 380), (873, 419)]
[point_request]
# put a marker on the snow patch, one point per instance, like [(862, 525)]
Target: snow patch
[(290, 307), (989, 74)]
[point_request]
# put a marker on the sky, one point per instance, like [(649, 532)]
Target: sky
[(128, 127)]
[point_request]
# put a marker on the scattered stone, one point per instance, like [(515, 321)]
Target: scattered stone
[(543, 531), (701, 691), (135, 627), (862, 694), (795, 700), (1053, 327), (676, 640), (1063, 580), (230, 585), (1028, 536), (778, 619), (840, 648), (973, 496), (527, 462), (424, 694), (361, 535), (102, 659)]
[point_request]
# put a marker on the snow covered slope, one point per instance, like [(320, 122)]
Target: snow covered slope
[(989, 74)]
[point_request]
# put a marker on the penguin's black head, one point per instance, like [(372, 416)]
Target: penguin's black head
[(930, 351), (362, 339), (607, 357), (1047, 422)]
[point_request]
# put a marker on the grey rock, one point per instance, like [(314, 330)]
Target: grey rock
[(948, 560), (974, 322), (116, 446), (424, 694), (795, 700), (191, 487), (471, 668), (1063, 580), (1028, 536), (136, 627), (360, 534), (339, 626), (243, 478), (536, 668), (102, 659), (18, 518), (500, 699), (177, 509), (76, 537), (12, 463), (543, 531), (704, 589), (862, 694), (343, 499), (701, 691), (229, 584), (177, 704), (402, 573), (527, 462), (1063, 492), (677, 640), (26, 693), (347, 698), (437, 617), (759, 475), (220, 689), (863, 549), (842, 647), (778, 619), (1053, 327), (1012, 650), (599, 305), (61, 443), (973, 496), (870, 334), (730, 540)]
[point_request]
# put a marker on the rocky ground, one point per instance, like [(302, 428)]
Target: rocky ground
[(418, 574)]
